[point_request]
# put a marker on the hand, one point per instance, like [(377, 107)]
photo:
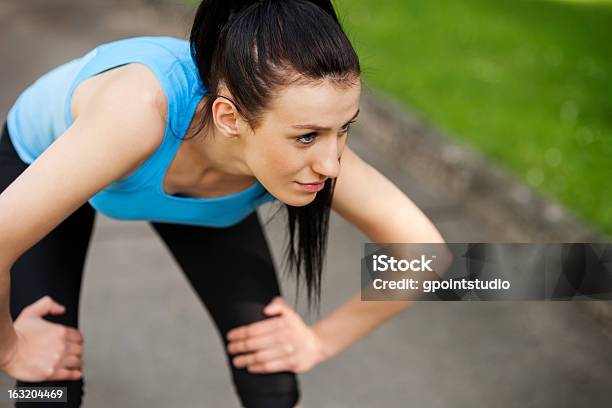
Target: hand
[(44, 351), (281, 343)]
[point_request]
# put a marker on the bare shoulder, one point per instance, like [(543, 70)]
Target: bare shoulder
[(127, 100), (130, 91), (132, 81)]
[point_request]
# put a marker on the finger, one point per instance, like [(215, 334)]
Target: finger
[(255, 329), (71, 362), (43, 306), (277, 305), (65, 374), (281, 308), (275, 300), (73, 335), (74, 349), (274, 309), (282, 302), (284, 364), (262, 356), (252, 344), (56, 309)]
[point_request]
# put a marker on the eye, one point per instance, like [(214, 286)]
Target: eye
[(306, 139), (347, 127)]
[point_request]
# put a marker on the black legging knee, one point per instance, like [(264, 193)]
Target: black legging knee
[(230, 269)]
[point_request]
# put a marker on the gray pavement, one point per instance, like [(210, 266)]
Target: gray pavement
[(149, 343)]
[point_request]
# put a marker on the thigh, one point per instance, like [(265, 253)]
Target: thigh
[(53, 266), (232, 271)]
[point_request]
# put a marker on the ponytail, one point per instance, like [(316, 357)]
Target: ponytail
[(210, 18)]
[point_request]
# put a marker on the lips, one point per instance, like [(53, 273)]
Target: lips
[(316, 183), (311, 187)]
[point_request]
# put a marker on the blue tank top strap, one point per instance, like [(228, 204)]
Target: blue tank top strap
[(181, 85), (170, 146)]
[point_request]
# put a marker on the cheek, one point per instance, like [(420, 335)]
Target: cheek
[(276, 161)]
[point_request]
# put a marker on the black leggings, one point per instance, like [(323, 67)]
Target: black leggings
[(231, 270)]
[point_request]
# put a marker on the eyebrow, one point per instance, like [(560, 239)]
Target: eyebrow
[(322, 128)]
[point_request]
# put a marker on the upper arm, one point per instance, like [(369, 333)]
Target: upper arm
[(118, 128), (378, 208)]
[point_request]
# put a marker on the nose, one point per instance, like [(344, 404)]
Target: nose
[(326, 161)]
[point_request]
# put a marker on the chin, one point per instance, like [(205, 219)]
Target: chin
[(299, 200)]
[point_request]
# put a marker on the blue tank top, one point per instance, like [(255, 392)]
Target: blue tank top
[(42, 113)]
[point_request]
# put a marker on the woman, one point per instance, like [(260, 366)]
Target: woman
[(194, 136)]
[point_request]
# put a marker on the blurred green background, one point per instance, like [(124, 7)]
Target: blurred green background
[(525, 82)]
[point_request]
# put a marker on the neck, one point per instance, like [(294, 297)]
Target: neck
[(215, 152)]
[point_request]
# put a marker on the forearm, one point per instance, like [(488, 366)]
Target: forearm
[(352, 321), (8, 337), (356, 318)]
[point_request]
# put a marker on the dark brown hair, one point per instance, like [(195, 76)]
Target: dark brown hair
[(252, 48)]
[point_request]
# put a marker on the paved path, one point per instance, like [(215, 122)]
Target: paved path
[(149, 343)]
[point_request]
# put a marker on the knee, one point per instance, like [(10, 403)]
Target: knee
[(74, 393), (276, 390)]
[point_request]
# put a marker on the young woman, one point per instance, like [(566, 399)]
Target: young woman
[(194, 136)]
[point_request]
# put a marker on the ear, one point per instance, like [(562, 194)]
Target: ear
[(225, 117)]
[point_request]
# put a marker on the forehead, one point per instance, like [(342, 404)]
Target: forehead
[(323, 103)]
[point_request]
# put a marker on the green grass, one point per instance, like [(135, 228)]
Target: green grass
[(528, 83)]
